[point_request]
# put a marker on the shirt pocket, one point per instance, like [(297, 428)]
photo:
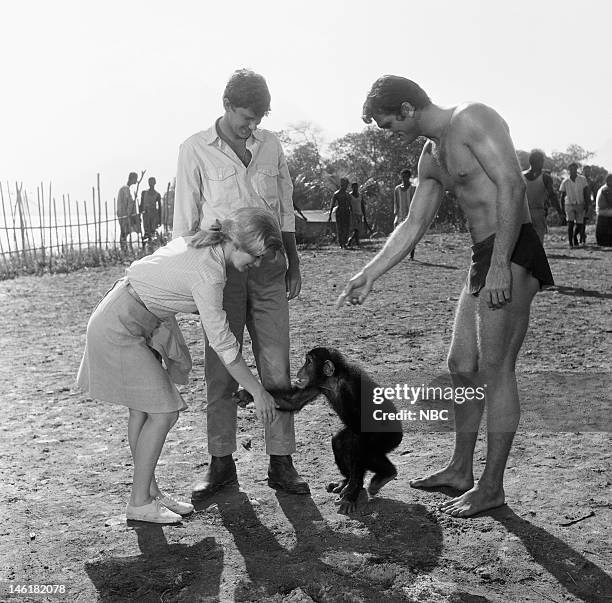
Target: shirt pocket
[(266, 182), (221, 184)]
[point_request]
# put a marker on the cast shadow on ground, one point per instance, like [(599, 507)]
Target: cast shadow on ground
[(565, 256), (447, 266), (579, 292), (328, 564), (588, 582), (160, 569), (323, 562)]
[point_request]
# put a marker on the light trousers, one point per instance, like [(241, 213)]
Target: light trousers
[(256, 299)]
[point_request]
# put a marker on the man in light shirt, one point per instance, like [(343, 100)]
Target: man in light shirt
[(231, 165), (575, 192)]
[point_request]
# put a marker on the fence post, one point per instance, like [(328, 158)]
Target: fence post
[(8, 192), (78, 225), (19, 211), (41, 220), (50, 230), (70, 222), (106, 219), (99, 211), (95, 223), (64, 225), (115, 222), (86, 224), (56, 229), (32, 240), (8, 241), (6, 226)]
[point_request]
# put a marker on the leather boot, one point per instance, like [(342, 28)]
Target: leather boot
[(220, 473), (282, 475)]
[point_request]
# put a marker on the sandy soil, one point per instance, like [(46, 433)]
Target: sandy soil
[(66, 466)]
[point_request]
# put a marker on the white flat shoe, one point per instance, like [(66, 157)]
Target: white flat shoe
[(182, 508), (154, 512)]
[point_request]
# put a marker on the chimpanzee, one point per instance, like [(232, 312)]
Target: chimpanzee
[(350, 391)]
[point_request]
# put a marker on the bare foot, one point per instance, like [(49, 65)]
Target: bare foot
[(378, 481), (349, 504), (446, 477), (473, 501)]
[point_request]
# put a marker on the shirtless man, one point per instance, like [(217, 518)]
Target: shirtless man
[(470, 153)]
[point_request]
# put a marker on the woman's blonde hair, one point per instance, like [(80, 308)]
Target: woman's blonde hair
[(251, 229)]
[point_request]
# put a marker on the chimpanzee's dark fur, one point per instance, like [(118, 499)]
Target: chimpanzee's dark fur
[(348, 389)]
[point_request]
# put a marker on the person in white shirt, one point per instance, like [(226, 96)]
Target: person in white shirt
[(575, 192), (134, 328), (230, 165)]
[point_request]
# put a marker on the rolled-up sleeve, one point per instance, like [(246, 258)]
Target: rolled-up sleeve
[(188, 196), (209, 300), (285, 189)]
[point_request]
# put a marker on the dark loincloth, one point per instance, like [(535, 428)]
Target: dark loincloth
[(528, 252)]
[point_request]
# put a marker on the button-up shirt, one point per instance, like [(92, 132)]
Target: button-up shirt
[(573, 190), (180, 278), (212, 182)]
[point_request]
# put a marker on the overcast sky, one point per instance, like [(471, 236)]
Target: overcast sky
[(116, 86)]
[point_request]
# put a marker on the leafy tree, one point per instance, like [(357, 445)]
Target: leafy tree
[(302, 143), (573, 154), (374, 154)]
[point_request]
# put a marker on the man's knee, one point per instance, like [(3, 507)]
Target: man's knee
[(461, 361), (496, 360)]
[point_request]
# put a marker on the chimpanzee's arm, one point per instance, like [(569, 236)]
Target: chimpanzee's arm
[(295, 398), (291, 399)]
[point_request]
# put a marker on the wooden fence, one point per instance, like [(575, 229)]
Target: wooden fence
[(37, 235)]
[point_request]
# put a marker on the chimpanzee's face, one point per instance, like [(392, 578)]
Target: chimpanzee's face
[(306, 375), (315, 371)]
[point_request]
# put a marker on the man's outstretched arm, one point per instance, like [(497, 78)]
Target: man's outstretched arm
[(425, 205)]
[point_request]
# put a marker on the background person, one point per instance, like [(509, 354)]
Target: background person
[(589, 213), (575, 194), (402, 197), (540, 192), (357, 215), (341, 202), (150, 208), (127, 214), (603, 227)]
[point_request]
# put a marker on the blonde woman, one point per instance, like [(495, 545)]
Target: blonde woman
[(134, 328)]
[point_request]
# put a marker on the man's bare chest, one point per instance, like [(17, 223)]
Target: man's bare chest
[(457, 166)]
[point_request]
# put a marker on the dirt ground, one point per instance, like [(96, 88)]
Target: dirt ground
[(66, 466)]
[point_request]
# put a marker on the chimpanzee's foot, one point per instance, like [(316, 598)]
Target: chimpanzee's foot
[(474, 501), (446, 477), (336, 487), (378, 481), (350, 503)]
